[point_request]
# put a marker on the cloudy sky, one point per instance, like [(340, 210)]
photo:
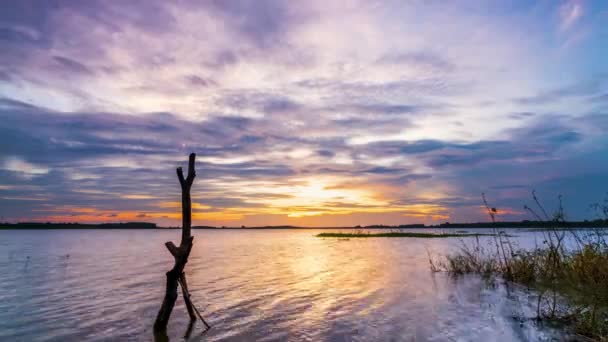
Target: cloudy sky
[(317, 113)]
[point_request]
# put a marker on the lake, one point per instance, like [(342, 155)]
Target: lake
[(254, 285)]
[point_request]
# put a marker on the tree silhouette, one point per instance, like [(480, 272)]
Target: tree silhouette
[(176, 275)]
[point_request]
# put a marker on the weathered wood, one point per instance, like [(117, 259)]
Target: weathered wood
[(172, 248), (189, 304), (168, 302), (186, 294), (173, 276), (176, 275), (186, 184)]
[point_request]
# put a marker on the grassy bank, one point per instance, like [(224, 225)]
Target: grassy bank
[(572, 285), (568, 271), (395, 235)]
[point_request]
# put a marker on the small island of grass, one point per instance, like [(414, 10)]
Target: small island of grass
[(397, 234)]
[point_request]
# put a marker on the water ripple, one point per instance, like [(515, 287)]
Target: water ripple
[(253, 286)]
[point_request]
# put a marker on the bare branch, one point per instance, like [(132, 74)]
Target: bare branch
[(172, 248), (547, 218), (491, 211), (180, 176), (191, 171)]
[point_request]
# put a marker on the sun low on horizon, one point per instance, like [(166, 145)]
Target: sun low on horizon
[(315, 113)]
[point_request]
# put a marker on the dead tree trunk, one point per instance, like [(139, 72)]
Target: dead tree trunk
[(176, 275)]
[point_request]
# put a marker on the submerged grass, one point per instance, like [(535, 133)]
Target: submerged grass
[(395, 234), (570, 280), (572, 285)]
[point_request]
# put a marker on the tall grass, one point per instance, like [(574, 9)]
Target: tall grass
[(570, 279)]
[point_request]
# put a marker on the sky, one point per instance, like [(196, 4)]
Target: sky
[(309, 113)]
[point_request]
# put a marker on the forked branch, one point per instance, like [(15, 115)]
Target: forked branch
[(176, 275)]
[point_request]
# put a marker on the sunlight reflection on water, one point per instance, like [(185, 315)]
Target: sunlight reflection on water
[(255, 285)]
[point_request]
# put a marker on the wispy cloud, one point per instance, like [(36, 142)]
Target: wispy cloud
[(570, 12), (317, 113)]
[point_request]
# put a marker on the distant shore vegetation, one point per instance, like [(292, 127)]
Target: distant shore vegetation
[(525, 224), (49, 225)]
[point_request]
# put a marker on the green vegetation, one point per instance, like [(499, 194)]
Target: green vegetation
[(572, 284), (360, 234), (569, 273)]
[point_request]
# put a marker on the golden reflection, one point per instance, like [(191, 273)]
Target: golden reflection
[(343, 280)]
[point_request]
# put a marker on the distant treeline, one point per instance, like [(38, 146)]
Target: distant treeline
[(527, 224), (417, 225), (48, 225), (146, 225), (599, 223)]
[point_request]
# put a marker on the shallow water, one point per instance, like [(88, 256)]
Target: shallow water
[(254, 285)]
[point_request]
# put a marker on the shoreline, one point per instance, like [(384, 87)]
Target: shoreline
[(128, 227)]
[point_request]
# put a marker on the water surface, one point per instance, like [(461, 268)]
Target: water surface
[(254, 285)]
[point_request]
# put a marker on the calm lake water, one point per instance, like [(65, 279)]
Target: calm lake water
[(254, 285)]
